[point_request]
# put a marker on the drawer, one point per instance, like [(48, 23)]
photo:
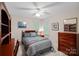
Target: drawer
[(67, 39), (68, 51), (68, 35), (67, 45), (71, 37)]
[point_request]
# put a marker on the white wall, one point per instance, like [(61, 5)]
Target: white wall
[(59, 13), (16, 32), (63, 12)]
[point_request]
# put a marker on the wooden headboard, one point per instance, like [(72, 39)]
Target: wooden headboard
[(27, 31), (30, 31)]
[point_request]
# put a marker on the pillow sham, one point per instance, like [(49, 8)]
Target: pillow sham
[(33, 34), (27, 34)]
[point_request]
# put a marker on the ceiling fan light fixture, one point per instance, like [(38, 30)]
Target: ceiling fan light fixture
[(37, 14)]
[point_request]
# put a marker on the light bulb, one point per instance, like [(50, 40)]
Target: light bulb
[(38, 15)]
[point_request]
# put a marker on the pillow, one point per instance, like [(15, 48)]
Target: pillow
[(27, 34), (33, 34)]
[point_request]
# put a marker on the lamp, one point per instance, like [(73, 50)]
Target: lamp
[(41, 31)]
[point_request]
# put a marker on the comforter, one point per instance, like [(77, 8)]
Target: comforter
[(36, 44)]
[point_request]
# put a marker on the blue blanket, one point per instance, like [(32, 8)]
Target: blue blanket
[(36, 44)]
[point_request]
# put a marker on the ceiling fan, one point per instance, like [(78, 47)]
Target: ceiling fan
[(40, 10)]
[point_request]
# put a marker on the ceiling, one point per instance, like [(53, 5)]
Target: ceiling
[(29, 9), (45, 9)]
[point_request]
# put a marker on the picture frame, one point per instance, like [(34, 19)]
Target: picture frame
[(22, 24), (55, 26)]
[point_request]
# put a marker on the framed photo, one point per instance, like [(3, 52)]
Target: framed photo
[(21, 24), (55, 26)]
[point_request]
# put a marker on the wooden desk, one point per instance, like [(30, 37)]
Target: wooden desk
[(8, 49)]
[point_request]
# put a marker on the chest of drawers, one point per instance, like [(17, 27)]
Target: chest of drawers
[(67, 43)]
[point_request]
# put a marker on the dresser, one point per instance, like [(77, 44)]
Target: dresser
[(68, 43)]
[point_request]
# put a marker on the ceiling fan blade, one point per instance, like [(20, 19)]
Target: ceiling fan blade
[(36, 6), (26, 8), (47, 13), (52, 4)]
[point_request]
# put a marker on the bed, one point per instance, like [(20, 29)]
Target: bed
[(35, 44)]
